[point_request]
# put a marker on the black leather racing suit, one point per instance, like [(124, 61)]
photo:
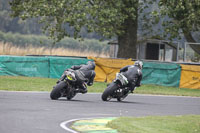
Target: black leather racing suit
[(133, 74), (84, 73)]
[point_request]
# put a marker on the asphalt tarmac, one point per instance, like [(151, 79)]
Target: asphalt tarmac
[(35, 112)]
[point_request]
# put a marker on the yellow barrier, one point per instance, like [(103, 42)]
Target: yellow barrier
[(190, 77), (106, 68)]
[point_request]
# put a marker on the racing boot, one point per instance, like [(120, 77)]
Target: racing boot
[(83, 88), (131, 90), (83, 91)]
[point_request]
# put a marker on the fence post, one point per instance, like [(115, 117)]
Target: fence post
[(184, 57)]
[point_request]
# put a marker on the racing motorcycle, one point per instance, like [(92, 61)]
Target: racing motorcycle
[(67, 87), (117, 89)]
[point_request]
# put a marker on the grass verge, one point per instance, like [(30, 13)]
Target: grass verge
[(157, 124), (19, 83)]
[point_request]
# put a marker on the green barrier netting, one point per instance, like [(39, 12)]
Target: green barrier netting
[(166, 74), (59, 64), (32, 66), (24, 66)]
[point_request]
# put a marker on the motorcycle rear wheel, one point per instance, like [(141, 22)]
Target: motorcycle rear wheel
[(58, 90), (106, 96)]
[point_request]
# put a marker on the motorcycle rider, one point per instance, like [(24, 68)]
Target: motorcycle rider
[(134, 74), (84, 74)]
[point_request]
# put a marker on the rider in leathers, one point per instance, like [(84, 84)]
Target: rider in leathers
[(134, 74), (84, 74)]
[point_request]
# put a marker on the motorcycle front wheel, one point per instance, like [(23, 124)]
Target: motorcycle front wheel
[(122, 97), (70, 95), (119, 99), (58, 90), (106, 96)]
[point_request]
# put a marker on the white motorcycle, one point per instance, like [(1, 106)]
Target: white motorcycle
[(117, 89)]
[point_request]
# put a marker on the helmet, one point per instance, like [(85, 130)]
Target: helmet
[(139, 64), (91, 65)]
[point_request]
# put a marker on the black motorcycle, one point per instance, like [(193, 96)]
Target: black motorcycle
[(66, 87), (117, 89)]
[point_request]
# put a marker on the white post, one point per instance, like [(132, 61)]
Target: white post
[(184, 57), (177, 51)]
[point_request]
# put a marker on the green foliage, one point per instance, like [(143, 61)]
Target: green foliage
[(9, 24), (196, 58), (147, 9), (184, 16), (28, 26), (184, 19), (101, 16), (111, 18), (39, 41)]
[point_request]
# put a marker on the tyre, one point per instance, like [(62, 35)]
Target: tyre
[(119, 99), (106, 96), (69, 98), (57, 90), (70, 95)]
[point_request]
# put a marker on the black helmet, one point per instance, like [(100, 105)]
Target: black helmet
[(139, 64), (91, 65)]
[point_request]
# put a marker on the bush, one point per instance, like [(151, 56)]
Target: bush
[(20, 40)]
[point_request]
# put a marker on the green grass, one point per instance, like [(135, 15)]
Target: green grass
[(163, 90), (157, 124), (19, 83)]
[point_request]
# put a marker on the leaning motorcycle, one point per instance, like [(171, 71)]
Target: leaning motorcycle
[(67, 87), (117, 89)]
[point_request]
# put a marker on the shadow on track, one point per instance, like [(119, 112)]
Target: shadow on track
[(74, 100), (128, 102)]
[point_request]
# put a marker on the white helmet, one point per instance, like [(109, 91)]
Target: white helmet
[(139, 64)]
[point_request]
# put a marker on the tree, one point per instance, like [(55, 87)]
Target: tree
[(184, 18), (108, 18), (9, 24)]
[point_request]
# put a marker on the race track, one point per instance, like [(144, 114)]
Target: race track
[(34, 112)]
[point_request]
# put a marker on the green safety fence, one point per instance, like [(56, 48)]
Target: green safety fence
[(24, 66), (59, 64), (32, 66), (166, 74)]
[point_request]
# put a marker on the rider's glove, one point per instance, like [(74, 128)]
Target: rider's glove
[(89, 83)]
